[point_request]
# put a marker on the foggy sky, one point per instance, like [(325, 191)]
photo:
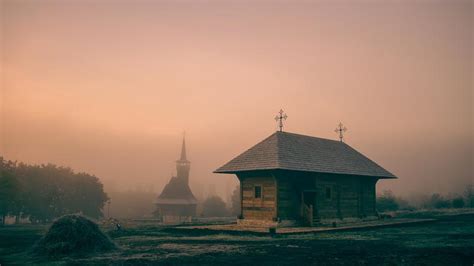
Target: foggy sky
[(109, 87)]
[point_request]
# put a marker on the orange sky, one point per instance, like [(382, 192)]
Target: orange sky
[(108, 87)]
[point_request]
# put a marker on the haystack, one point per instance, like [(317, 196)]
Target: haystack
[(73, 235)]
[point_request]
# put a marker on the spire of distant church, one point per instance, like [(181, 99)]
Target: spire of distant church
[(183, 165), (183, 150)]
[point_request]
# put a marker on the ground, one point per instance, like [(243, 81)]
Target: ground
[(447, 241)]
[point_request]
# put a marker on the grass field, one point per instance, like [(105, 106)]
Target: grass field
[(449, 241)]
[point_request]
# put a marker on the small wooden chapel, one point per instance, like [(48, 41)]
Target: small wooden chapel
[(291, 179)]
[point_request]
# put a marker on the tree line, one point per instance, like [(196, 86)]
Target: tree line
[(44, 192), (387, 201)]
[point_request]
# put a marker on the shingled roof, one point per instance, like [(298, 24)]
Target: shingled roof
[(177, 191), (289, 151)]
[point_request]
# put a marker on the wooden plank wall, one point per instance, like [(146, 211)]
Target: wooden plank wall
[(350, 196), (258, 208), (349, 188), (368, 197), (288, 199), (327, 208)]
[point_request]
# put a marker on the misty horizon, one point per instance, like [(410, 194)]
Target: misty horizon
[(108, 90)]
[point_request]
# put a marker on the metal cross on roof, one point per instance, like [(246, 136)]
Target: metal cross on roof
[(282, 116), (341, 129)]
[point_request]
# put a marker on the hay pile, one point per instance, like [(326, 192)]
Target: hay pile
[(73, 235)]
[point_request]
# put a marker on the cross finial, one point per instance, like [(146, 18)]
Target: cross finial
[(341, 129), (282, 116)]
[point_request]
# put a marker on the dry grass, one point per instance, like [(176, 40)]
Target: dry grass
[(449, 241)]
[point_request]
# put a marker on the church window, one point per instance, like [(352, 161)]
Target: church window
[(258, 192), (328, 193)]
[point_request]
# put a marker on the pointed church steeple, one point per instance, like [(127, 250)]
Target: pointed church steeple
[(183, 165), (183, 150)]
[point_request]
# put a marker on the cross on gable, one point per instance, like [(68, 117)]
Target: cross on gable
[(340, 129), (282, 116)]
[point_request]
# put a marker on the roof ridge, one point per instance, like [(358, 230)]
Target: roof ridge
[(308, 136)]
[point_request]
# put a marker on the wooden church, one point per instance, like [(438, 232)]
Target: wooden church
[(289, 179), (176, 204)]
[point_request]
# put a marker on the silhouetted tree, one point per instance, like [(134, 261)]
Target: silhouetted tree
[(9, 189), (44, 192), (214, 206)]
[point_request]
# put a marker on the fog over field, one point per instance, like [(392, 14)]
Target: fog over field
[(109, 87)]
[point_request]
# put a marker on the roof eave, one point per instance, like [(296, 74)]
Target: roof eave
[(390, 176), (219, 171), (223, 172)]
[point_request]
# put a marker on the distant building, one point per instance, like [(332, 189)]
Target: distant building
[(176, 203), (290, 178)]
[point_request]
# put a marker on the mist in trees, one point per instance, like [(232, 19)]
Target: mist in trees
[(214, 206), (44, 192), (469, 196), (235, 202), (387, 201), (131, 204)]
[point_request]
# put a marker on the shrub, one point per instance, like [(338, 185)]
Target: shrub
[(214, 207), (387, 202), (439, 202), (405, 205), (457, 202), (73, 235)]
